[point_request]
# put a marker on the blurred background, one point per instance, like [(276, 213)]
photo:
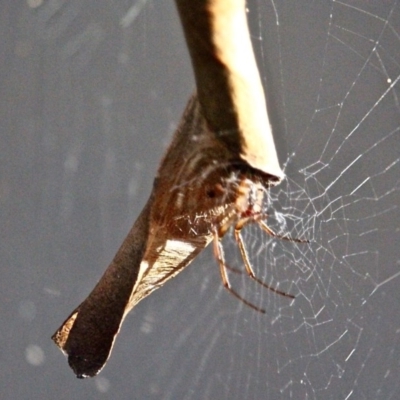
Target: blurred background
[(91, 92)]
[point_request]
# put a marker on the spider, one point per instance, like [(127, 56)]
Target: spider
[(247, 209)]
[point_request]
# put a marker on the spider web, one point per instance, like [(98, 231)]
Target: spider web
[(339, 337), (103, 83), (340, 139)]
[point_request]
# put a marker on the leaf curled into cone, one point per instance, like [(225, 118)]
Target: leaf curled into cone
[(228, 82), (223, 140), (176, 224)]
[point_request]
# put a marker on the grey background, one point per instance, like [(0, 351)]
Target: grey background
[(90, 95)]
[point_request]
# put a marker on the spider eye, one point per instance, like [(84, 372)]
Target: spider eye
[(211, 193)]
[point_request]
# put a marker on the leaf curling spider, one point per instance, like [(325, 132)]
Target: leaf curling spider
[(247, 210)]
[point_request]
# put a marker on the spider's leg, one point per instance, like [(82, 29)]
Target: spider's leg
[(234, 270), (219, 255), (267, 229), (239, 240)]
